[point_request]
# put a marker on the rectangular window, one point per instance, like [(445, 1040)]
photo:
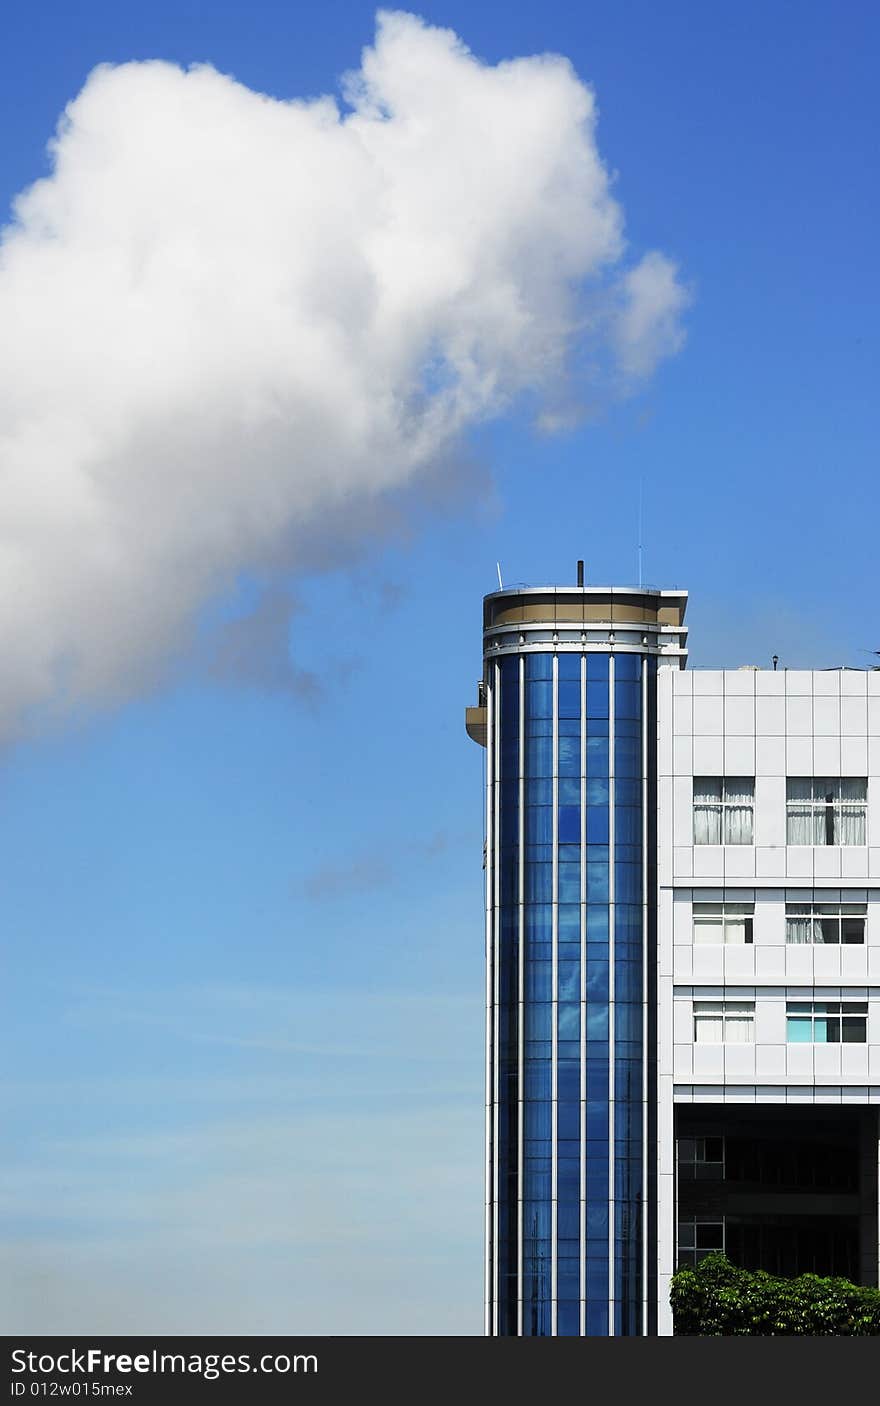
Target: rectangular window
[(723, 922), (724, 1022), (724, 808), (826, 1022), (697, 1238), (825, 922), (701, 1158), (825, 810)]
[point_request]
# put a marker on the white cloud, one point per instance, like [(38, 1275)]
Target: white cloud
[(229, 319), (649, 326)]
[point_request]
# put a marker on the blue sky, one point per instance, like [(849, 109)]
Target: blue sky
[(241, 906)]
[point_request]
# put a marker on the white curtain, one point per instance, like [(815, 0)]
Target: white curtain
[(716, 1022), (708, 925), (799, 812), (735, 916), (707, 810), (739, 794), (802, 928), (739, 1025), (826, 810), (708, 1024), (852, 811)]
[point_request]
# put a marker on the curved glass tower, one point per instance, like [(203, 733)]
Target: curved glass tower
[(567, 713)]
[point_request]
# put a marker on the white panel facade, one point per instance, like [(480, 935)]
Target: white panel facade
[(768, 727)]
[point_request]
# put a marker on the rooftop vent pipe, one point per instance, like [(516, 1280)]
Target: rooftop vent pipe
[(580, 573)]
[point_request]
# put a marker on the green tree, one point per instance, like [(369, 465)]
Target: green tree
[(717, 1299)]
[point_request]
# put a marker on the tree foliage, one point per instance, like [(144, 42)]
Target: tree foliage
[(717, 1299)]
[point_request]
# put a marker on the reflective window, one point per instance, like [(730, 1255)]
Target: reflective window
[(827, 1022), (700, 1158), (699, 1237)]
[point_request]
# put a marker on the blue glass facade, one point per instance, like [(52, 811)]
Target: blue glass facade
[(568, 1056)]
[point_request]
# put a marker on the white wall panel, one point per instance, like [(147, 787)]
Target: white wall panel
[(826, 756), (708, 717), (708, 964), (739, 1062), (709, 756), (799, 756), (740, 683), (708, 861), (853, 965), (826, 1061), (739, 964), (854, 716), (769, 810), (854, 682), (770, 716), (770, 1062), (679, 797), (826, 683), (853, 1062), (707, 682), (770, 964), (770, 756), (799, 1061), (739, 756), (683, 756), (854, 756), (826, 717), (683, 862), (826, 860), (799, 717), (799, 862), (827, 970), (739, 862), (769, 1022), (682, 715), (769, 683), (682, 1021), (739, 716), (854, 862), (708, 1063)]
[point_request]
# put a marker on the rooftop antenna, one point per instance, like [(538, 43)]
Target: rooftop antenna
[(640, 485), (500, 582)]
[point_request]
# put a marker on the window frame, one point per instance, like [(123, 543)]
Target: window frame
[(728, 912), (692, 1161), (828, 916), (735, 793), (686, 1233), (837, 1019), (731, 1013), (823, 812)]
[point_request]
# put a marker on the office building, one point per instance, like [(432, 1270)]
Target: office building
[(683, 962)]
